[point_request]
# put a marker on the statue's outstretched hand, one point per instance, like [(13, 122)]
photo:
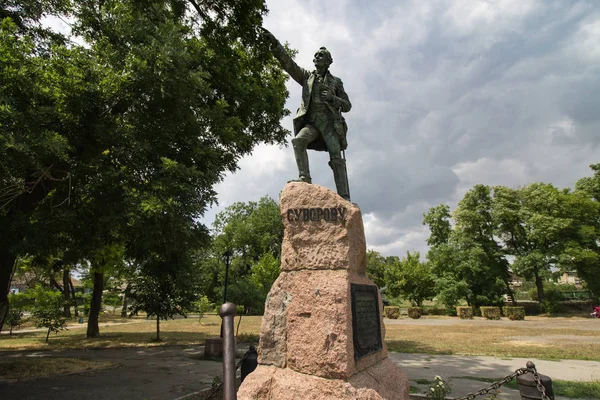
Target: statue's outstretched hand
[(269, 37)]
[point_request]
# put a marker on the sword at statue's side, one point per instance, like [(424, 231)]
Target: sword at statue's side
[(346, 170)]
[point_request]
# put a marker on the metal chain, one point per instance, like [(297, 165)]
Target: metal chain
[(540, 385), (496, 385)]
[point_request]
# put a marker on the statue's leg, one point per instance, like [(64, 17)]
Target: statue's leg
[(336, 162), (300, 143)]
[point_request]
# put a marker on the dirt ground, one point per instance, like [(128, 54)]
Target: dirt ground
[(140, 373), (177, 372)]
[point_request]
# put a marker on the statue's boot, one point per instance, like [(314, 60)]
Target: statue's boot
[(301, 161), (340, 176)]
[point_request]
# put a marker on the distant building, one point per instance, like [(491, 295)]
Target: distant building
[(570, 278)]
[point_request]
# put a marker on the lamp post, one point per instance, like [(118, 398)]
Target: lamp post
[(228, 253)]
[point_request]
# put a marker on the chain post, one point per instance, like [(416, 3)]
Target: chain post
[(495, 385), (540, 386), (530, 368)]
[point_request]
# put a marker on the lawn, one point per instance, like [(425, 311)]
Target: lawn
[(460, 339), (495, 341), (127, 332)]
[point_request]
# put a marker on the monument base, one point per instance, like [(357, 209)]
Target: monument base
[(322, 333), (383, 380)]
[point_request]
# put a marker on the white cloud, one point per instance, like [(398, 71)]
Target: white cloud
[(445, 94)]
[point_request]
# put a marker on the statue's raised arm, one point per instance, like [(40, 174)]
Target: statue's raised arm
[(296, 72), (319, 123)]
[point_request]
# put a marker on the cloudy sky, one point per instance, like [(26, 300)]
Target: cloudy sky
[(446, 95)]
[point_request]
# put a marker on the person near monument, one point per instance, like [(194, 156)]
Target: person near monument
[(319, 124)]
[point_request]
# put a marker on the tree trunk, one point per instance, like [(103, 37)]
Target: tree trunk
[(125, 301), (237, 330), (47, 335), (7, 264), (66, 293), (157, 328), (55, 284), (540, 287), (74, 298), (93, 330)]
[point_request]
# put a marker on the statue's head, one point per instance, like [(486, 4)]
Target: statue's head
[(322, 58)]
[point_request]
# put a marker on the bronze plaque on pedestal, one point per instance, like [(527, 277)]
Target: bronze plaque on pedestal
[(365, 320)]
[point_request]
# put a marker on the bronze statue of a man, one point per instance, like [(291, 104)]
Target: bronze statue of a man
[(319, 123)]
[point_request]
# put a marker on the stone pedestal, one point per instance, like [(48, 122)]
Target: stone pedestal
[(307, 346)]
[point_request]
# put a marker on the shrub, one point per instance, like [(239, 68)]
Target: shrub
[(19, 302), (14, 318), (414, 312), (202, 306), (465, 312), (391, 312), (490, 312), (48, 310), (514, 313), (440, 390)]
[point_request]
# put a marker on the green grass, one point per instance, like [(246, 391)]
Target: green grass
[(453, 338), (424, 381), (493, 340), (131, 332), (570, 389)]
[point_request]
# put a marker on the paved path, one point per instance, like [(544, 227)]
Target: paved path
[(423, 366), (175, 371)]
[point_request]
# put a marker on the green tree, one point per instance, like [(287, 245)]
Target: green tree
[(544, 227), (19, 303), (163, 291), (102, 144), (376, 264), (202, 306), (464, 258), (248, 236), (586, 258), (47, 310), (411, 279), (475, 231), (590, 185), (249, 230)]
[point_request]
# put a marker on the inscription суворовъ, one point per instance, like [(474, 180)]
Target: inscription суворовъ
[(316, 214)]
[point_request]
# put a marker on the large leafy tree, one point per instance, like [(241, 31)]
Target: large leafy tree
[(465, 258), (590, 185), (539, 226), (376, 265), (248, 237), (476, 231), (164, 290), (105, 144), (411, 279), (544, 227), (586, 261)]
